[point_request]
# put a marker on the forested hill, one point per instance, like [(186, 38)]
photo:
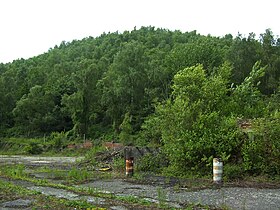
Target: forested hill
[(188, 93), (95, 85)]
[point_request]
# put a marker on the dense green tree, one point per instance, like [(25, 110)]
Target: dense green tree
[(192, 121), (205, 50), (124, 84), (243, 54), (271, 58), (247, 98), (83, 104), (199, 121), (126, 130), (33, 112)]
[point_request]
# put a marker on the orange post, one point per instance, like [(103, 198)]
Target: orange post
[(129, 167)]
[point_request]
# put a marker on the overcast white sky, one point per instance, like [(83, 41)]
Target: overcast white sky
[(31, 27)]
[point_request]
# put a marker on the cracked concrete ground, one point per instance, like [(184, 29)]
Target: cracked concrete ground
[(231, 197)]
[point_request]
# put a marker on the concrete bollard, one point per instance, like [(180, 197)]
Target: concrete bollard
[(217, 170)]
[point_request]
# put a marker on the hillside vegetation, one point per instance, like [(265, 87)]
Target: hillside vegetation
[(187, 93)]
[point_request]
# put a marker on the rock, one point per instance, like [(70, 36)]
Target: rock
[(20, 203)]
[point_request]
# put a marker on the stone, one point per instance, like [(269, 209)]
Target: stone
[(20, 203)]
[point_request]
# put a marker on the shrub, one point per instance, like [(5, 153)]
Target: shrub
[(34, 148), (119, 164), (78, 174), (261, 151), (232, 172), (58, 140), (152, 163)]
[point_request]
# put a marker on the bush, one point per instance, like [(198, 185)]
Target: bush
[(78, 174), (261, 151), (34, 148), (119, 165), (233, 172), (58, 140), (152, 163)]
